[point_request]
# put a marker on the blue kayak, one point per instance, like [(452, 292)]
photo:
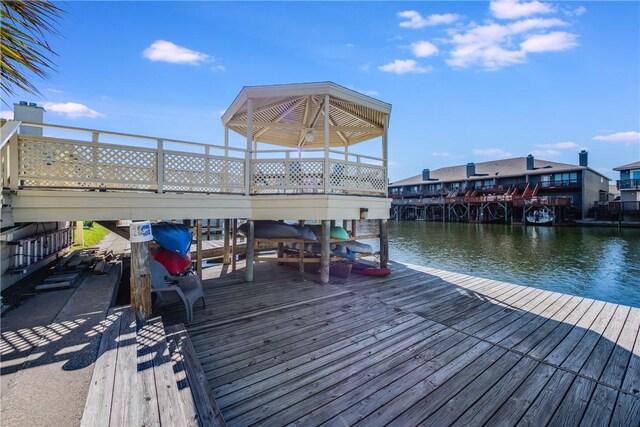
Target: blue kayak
[(175, 238)]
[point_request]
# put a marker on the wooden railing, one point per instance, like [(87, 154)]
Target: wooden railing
[(633, 207), (104, 160)]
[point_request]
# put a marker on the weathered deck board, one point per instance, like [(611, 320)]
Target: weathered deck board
[(421, 346)]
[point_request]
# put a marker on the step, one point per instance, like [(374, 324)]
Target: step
[(197, 398)]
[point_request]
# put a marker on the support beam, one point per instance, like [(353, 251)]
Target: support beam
[(141, 279), (247, 157), (226, 257), (384, 243), (250, 251), (354, 227), (234, 243), (80, 233), (327, 167), (199, 248), (325, 252)]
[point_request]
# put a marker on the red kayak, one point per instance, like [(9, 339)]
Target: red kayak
[(175, 264), (372, 271)]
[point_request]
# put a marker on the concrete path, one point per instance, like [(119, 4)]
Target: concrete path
[(48, 348)]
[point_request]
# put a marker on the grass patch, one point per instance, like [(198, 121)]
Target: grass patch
[(92, 236)]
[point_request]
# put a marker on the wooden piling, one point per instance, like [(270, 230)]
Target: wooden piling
[(199, 248), (226, 255), (141, 279), (250, 251), (325, 255), (234, 227), (354, 227), (384, 243)]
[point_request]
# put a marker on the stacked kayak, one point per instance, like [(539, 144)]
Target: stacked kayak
[(174, 241), (277, 230)]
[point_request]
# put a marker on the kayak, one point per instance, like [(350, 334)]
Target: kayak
[(174, 263), (277, 230), (372, 271), (336, 233), (357, 247), (175, 238)]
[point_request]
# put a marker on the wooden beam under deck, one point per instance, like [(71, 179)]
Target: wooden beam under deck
[(420, 346)]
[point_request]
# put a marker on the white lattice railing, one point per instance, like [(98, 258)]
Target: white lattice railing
[(180, 166), (306, 175)]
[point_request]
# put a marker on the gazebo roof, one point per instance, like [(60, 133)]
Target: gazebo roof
[(284, 114)]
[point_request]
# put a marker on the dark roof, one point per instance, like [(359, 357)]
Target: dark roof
[(634, 165), (492, 169)]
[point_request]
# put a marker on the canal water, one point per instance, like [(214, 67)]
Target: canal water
[(600, 263)]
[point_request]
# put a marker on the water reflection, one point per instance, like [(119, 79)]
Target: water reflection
[(601, 263)]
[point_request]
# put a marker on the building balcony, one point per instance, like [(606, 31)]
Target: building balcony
[(628, 184), (624, 207), (560, 184)]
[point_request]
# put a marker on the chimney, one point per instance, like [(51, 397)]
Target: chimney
[(471, 169), (426, 174), (584, 158), (28, 112), (530, 162)]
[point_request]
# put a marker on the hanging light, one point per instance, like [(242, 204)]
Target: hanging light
[(310, 136)]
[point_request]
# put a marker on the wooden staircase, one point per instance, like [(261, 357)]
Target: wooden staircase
[(146, 376)]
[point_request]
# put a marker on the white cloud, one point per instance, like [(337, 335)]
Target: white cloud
[(442, 154), (546, 153), (58, 91), (629, 137), (365, 67), (578, 11), (423, 49), (72, 110), (6, 114), (551, 42), (491, 152), (165, 51), (402, 66), (513, 9), (350, 45), (217, 68), (414, 20), (559, 145), (493, 46)]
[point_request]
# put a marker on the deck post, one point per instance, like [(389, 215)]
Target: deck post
[(325, 255), (327, 165), (160, 167), (247, 157), (199, 248), (384, 243), (80, 233), (354, 227), (226, 256), (234, 243), (248, 270), (141, 279)]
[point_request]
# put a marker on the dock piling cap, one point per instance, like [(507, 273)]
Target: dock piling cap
[(140, 232)]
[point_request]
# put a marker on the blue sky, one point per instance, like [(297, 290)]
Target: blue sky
[(468, 81)]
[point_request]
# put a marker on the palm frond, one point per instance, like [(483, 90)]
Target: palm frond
[(25, 51)]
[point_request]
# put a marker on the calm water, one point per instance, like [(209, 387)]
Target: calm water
[(601, 263)]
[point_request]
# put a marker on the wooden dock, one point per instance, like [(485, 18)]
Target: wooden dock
[(422, 346)]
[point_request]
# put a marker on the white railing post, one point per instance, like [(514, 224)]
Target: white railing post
[(247, 157), (287, 177), (160, 166), (95, 156), (13, 163), (327, 167)]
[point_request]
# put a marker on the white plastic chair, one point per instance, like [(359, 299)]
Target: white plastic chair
[(170, 289)]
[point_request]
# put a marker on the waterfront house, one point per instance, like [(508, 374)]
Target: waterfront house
[(629, 186), (500, 190)]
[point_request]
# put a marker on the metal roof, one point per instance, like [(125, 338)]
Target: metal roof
[(284, 114), (493, 169)]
